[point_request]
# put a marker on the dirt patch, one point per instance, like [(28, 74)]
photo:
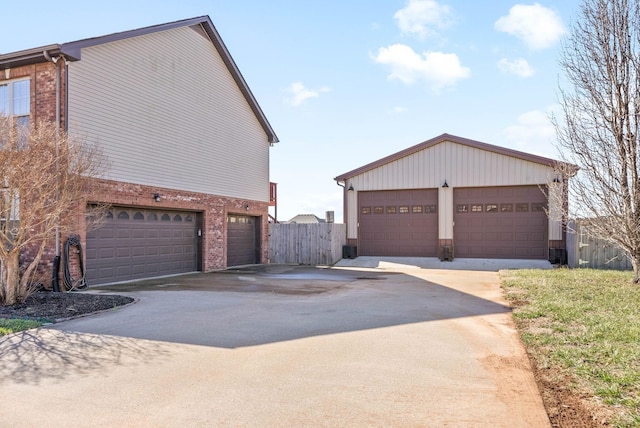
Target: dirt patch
[(49, 306), (566, 406)]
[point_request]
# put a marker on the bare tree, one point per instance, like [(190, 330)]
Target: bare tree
[(598, 127), (45, 177)]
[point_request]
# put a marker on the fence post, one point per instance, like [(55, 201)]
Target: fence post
[(573, 244)]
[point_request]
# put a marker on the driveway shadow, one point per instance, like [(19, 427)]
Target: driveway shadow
[(43, 354), (258, 305)]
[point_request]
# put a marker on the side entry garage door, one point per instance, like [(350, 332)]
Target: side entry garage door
[(400, 223), (140, 243), (243, 245), (500, 222)]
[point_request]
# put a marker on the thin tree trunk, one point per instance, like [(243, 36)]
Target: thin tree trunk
[(635, 263), (12, 280)]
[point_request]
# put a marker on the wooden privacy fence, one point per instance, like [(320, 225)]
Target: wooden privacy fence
[(585, 251), (306, 243)]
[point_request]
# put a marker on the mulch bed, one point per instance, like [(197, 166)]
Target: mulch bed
[(52, 307)]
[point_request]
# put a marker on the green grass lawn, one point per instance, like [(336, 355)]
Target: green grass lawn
[(585, 323), (8, 326)]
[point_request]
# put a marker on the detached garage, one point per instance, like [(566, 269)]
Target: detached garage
[(454, 197)]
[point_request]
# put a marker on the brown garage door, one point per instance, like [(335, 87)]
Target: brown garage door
[(242, 240), (137, 243), (398, 223), (500, 222)]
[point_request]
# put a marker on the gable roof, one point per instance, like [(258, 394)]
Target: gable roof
[(72, 51), (454, 139), (306, 218)]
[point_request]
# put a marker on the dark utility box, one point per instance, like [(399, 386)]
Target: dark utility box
[(349, 251), (558, 256), (446, 253)]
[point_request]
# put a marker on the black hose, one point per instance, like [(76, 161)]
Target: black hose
[(55, 274), (70, 282)]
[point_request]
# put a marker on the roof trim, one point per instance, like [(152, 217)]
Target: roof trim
[(73, 52), (454, 139), (28, 56)]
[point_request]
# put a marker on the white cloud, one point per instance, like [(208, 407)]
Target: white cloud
[(519, 66), (420, 17), (537, 26), (301, 94), (533, 133), (398, 110), (437, 69)]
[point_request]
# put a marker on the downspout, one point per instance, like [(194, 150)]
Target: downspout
[(344, 201), (56, 259)]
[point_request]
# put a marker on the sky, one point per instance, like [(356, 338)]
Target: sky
[(347, 82)]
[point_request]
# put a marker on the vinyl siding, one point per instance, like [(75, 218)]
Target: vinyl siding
[(167, 113), (460, 166)]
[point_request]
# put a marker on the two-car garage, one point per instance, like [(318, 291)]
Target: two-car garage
[(135, 243), (455, 197), (489, 222)]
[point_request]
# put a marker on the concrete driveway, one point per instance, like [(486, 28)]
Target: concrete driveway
[(390, 345)]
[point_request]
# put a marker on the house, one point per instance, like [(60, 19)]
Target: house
[(455, 197), (187, 142), (306, 218)]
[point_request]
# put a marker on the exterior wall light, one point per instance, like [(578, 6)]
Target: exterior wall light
[(445, 185), (351, 189), (156, 197), (246, 207)]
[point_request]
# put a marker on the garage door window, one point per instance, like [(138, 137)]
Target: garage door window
[(416, 209), (462, 208), (378, 210), (492, 208), (404, 209), (138, 216), (366, 210), (522, 207), (391, 210), (430, 209), (537, 207), (123, 215), (506, 208), (476, 208), (153, 217)]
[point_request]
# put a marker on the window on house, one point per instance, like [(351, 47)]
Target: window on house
[(15, 100), (537, 207)]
